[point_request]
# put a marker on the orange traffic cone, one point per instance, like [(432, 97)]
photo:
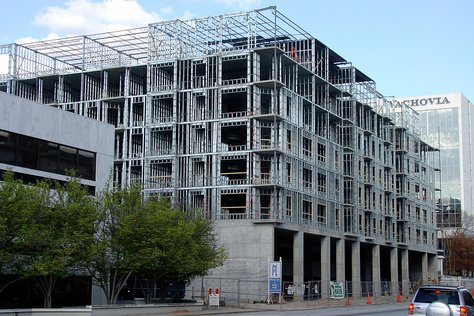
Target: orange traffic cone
[(398, 298), (369, 301)]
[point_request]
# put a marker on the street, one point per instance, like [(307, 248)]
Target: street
[(386, 310)]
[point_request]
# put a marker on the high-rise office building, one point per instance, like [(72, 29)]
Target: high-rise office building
[(448, 122)]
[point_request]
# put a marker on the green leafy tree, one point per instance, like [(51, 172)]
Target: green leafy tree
[(13, 198), (150, 239), (172, 247), (112, 258), (57, 229), (52, 231)]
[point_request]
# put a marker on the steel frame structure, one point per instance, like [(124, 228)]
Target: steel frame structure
[(243, 116)]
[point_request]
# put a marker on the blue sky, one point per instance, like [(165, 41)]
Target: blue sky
[(409, 47)]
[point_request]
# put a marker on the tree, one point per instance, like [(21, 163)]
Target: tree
[(459, 248), (173, 247), (49, 231), (148, 238), (13, 196), (56, 225), (112, 255)]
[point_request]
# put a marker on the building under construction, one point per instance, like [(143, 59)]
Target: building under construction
[(246, 117)]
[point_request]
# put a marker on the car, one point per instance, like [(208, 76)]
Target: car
[(458, 299)]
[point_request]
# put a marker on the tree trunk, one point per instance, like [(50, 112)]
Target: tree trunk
[(48, 300), (46, 285), (111, 283), (150, 291), (163, 290), (118, 283)]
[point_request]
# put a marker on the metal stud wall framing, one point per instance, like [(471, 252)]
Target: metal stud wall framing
[(243, 116)]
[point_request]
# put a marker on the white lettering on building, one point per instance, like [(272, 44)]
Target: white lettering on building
[(422, 102)]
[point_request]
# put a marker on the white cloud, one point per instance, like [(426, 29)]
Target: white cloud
[(242, 4), (31, 39), (187, 15), (167, 10), (89, 16)]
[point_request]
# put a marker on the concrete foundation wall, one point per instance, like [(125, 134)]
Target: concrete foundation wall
[(250, 246), (244, 276)]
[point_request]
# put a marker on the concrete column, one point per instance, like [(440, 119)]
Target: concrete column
[(325, 265), (356, 285), (376, 284), (340, 260), (433, 267), (440, 264), (424, 267), (394, 271), (405, 272), (298, 261)]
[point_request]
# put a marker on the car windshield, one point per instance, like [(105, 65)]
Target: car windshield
[(432, 295)]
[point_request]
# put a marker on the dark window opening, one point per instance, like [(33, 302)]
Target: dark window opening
[(33, 153), (234, 102)]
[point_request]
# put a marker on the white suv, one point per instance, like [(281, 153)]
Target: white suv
[(457, 298)]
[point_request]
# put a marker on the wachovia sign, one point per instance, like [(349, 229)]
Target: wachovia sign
[(422, 101)]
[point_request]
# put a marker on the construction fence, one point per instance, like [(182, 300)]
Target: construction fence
[(314, 293)]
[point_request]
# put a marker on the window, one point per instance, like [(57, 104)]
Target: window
[(85, 163), (307, 147), (266, 170), (307, 210), (307, 115), (288, 106), (289, 211), (27, 151), (48, 156), (321, 215), (288, 139), (321, 182), (468, 298), (30, 152), (7, 147), (307, 178), (288, 172), (428, 295), (321, 152), (266, 137), (67, 158)]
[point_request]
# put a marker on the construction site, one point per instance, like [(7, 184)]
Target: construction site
[(254, 123)]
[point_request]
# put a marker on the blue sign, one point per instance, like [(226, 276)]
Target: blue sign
[(274, 285), (274, 277)]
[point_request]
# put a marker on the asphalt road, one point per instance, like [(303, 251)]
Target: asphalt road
[(385, 310)]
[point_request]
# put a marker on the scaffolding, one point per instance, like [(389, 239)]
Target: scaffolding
[(242, 116)]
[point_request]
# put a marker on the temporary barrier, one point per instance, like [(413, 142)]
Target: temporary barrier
[(213, 298), (345, 293)]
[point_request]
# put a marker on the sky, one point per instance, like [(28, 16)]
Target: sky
[(408, 47)]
